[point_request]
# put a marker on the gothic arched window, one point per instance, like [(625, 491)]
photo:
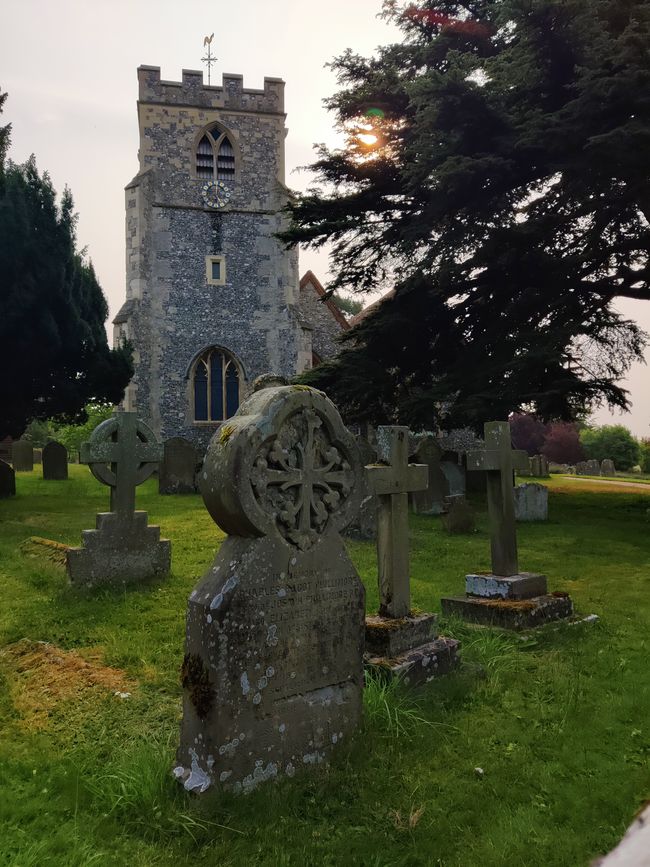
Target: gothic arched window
[(215, 384), (215, 156)]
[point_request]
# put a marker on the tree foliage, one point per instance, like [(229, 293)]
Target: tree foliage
[(73, 435), (611, 441), (54, 354), (562, 443), (645, 456), (506, 197), (528, 433)]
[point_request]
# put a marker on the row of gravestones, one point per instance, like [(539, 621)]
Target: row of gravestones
[(54, 460), (273, 671), (595, 468)]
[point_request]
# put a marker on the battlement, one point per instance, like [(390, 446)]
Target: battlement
[(191, 91)]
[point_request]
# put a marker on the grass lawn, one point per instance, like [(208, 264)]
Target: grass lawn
[(559, 721)]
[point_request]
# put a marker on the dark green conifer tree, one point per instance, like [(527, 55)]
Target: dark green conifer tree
[(54, 354), (507, 200)]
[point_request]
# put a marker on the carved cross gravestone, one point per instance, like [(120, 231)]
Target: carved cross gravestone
[(122, 453), (55, 461), (393, 483), (273, 675), (7, 480), (398, 642), (22, 456), (499, 462), (494, 597)]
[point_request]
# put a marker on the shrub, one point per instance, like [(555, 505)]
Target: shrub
[(562, 444)]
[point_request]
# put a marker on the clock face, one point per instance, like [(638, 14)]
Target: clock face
[(216, 194)]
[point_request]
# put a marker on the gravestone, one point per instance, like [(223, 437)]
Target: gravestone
[(581, 468), (177, 472), (122, 453), (430, 501), (38, 456), (399, 642), (460, 518), (534, 466), (273, 669), (7, 480), (607, 468), (22, 456), (593, 468), (531, 502), (55, 462), (364, 523), (505, 596), (454, 473)]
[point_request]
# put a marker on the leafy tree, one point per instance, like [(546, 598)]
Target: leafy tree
[(349, 306), (611, 441), (53, 349), (562, 443), (496, 173), (73, 435), (528, 432), (645, 456), (5, 133)]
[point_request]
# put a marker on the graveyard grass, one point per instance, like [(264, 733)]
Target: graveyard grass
[(558, 721)]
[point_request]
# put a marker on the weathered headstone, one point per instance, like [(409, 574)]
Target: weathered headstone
[(531, 502), (581, 468), (122, 453), (430, 501), (364, 523), (38, 456), (544, 467), (634, 848), (273, 671), (593, 468), (504, 596), (22, 456), (454, 473), (460, 518), (7, 480), (399, 642), (177, 471), (535, 466), (607, 468), (55, 461)]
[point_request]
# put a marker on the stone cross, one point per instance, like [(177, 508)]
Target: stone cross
[(499, 461), (392, 485), (129, 446)]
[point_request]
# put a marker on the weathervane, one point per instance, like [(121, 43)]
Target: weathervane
[(209, 58)]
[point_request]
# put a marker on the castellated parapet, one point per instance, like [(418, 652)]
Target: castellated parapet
[(174, 311), (231, 95)]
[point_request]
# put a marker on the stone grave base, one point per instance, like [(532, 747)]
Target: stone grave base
[(409, 648), (118, 553)]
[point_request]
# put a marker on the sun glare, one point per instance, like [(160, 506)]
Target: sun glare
[(367, 138)]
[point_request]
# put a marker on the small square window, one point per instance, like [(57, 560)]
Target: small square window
[(215, 270)]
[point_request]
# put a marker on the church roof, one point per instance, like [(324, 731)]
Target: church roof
[(370, 309), (309, 278), (124, 312)]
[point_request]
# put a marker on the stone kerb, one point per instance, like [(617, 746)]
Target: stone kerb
[(272, 675)]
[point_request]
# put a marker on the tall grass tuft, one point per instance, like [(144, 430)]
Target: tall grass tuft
[(390, 707)]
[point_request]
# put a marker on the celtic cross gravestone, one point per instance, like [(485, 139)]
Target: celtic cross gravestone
[(122, 453), (272, 675)]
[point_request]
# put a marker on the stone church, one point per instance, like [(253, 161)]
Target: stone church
[(213, 299)]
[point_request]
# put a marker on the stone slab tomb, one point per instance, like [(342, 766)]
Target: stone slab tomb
[(504, 597), (55, 462), (398, 642), (531, 502), (177, 472), (7, 481), (273, 669), (123, 549), (22, 456)]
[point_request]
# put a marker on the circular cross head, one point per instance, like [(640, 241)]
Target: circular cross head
[(102, 442), (284, 464)]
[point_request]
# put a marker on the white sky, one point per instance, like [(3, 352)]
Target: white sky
[(69, 67)]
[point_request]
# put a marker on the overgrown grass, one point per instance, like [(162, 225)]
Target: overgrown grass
[(559, 720)]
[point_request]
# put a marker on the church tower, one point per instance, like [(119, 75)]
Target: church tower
[(211, 295)]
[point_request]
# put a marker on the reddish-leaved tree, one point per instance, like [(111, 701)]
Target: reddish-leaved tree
[(528, 432), (562, 444)]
